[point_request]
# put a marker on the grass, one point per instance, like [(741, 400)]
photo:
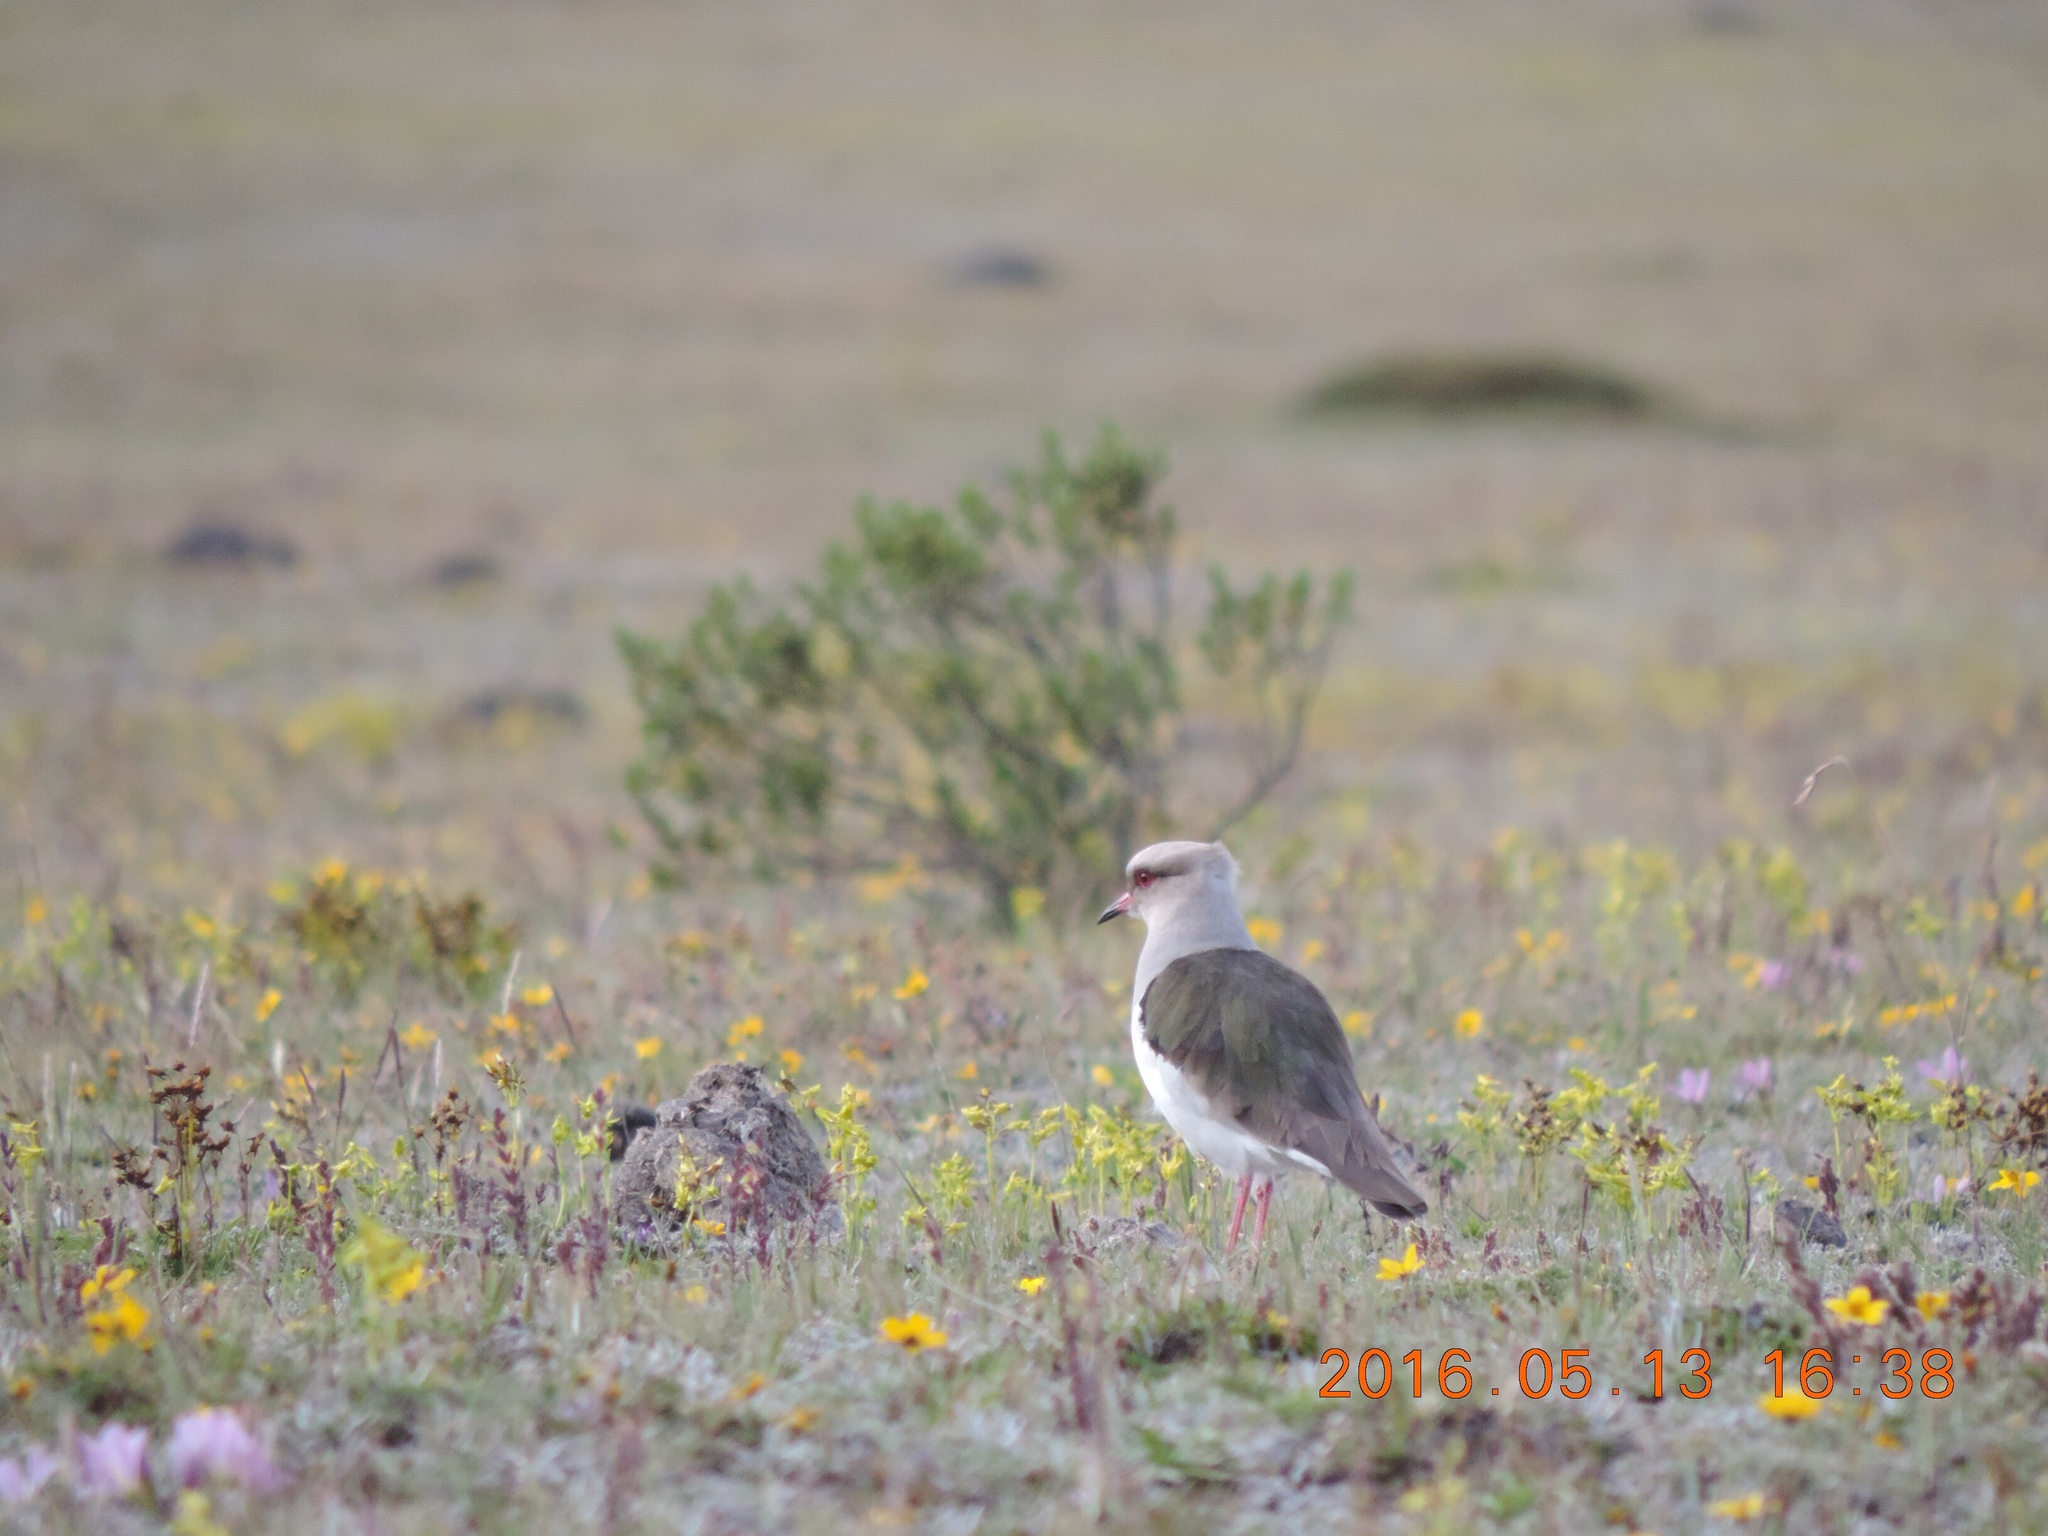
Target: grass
[(589, 306)]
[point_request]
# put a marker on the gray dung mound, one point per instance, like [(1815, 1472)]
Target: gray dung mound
[(1809, 1223), (748, 1156)]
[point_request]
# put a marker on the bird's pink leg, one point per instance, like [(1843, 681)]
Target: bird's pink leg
[(1244, 1189), (1265, 1204)]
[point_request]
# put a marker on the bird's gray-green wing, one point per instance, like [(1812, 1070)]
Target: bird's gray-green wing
[(1264, 1047)]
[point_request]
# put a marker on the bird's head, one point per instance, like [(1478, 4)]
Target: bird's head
[(1171, 878)]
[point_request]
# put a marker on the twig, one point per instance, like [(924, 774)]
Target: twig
[(198, 1003)]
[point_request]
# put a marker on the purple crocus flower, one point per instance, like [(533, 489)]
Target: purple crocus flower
[(1693, 1083), (1845, 962), (1771, 974), (214, 1442), (1755, 1076), (110, 1462), (1948, 1069), (22, 1480), (1943, 1188)]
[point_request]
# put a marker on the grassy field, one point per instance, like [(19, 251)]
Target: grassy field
[(522, 322)]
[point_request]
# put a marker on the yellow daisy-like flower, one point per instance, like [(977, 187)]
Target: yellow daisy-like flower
[(106, 1281), (647, 1049), (1751, 1506), (1931, 1304), (117, 1315), (696, 1296), (1859, 1306), (1264, 931), (916, 984), (1885, 1440), (1104, 1078), (1031, 1285), (914, 1332), (538, 997), (1793, 1405), (1470, 1023), (1403, 1267), (2020, 1181), (791, 1061), (266, 1005), (417, 1036)]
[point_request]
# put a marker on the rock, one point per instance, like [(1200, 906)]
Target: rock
[(633, 1119), (229, 546), (1000, 266), (1108, 1233), (471, 568), (747, 1151), (497, 706), (1809, 1223)]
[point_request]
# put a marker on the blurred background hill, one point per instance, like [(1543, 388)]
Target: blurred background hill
[(363, 365)]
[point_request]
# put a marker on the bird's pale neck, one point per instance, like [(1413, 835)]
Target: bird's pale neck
[(1188, 930)]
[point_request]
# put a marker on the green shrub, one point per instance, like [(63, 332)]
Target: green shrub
[(993, 690)]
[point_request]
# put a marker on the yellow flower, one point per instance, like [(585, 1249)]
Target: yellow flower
[(696, 1296), (392, 1268), (538, 997), (1751, 1506), (1031, 1285), (1576, 1043), (417, 1036), (1403, 1267), (1470, 1023), (914, 1332), (118, 1315), (506, 1023), (1885, 1440), (914, 985), (1313, 951), (266, 1005), (745, 1030), (558, 1052), (709, 1227), (1931, 1304), (1264, 931), (1104, 1078), (969, 1073), (1358, 1022), (106, 1281), (800, 1419), (1026, 902), (35, 912), (1859, 1306), (2020, 1181), (648, 1048), (791, 1061), (1793, 1405), (195, 1516)]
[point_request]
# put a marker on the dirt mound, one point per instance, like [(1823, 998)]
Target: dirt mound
[(735, 1150)]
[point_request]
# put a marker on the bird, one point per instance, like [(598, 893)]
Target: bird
[(1242, 1054)]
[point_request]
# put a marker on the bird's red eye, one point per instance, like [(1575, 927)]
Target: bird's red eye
[(1142, 879)]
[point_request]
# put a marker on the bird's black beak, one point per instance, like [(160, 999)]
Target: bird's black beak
[(1118, 908)]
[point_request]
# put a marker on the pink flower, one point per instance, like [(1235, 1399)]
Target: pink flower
[(1755, 1076), (1845, 962), (1943, 1188), (110, 1462), (1693, 1083), (22, 1480), (1771, 974), (1950, 1068), (214, 1442)]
